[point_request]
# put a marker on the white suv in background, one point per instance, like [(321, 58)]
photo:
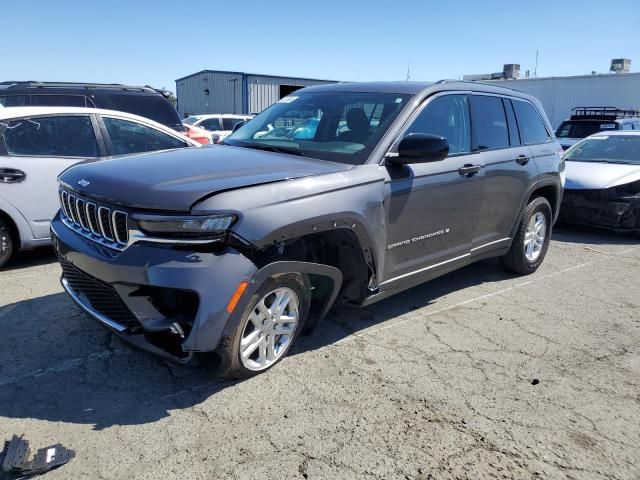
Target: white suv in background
[(38, 143), (220, 124)]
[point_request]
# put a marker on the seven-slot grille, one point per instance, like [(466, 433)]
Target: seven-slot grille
[(101, 223)]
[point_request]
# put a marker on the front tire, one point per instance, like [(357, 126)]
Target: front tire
[(530, 245), (267, 329), (6, 242)]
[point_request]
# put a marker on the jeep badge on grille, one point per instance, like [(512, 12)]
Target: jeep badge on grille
[(83, 182)]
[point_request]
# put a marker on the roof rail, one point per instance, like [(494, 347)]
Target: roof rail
[(447, 80), (602, 113), (37, 84)]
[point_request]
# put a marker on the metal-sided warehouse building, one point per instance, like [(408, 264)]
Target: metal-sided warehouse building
[(561, 94), (215, 91)]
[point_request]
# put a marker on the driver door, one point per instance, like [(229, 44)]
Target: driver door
[(432, 208)]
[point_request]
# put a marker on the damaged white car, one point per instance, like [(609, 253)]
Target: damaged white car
[(603, 181)]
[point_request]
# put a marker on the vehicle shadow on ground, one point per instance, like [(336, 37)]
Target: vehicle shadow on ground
[(30, 258), (58, 365), (343, 321), (583, 234)]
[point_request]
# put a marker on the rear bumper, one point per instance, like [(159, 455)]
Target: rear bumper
[(581, 207), (143, 292)]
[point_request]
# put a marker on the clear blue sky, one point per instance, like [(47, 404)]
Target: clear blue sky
[(155, 42)]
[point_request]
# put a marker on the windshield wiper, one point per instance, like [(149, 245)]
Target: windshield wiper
[(614, 162), (272, 148)]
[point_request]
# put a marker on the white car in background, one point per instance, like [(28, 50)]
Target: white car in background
[(38, 143), (220, 124), (603, 181)]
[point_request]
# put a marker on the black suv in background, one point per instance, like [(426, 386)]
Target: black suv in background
[(144, 101), (586, 121), (342, 193)]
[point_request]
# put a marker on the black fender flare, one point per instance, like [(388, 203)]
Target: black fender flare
[(543, 182), (289, 266)]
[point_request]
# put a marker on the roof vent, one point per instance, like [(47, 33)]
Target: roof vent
[(620, 65)]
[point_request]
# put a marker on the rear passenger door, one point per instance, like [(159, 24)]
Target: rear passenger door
[(539, 139), (508, 170), (33, 152)]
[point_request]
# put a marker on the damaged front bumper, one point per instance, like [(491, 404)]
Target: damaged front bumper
[(605, 208), (166, 300)]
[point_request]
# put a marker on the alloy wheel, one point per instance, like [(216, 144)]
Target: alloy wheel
[(269, 329), (535, 236)]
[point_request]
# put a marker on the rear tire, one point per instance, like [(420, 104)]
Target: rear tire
[(531, 241), (6, 242), (267, 329)]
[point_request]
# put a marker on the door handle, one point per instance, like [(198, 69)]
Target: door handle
[(11, 175), (469, 170), (522, 160)]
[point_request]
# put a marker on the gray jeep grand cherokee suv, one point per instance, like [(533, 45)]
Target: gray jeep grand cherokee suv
[(338, 193)]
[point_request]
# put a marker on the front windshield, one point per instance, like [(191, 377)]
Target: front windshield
[(337, 126), (607, 148), (582, 128), (190, 120)]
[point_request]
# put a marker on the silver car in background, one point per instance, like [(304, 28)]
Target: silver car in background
[(38, 143), (603, 181)]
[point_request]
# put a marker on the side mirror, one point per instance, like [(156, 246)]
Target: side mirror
[(238, 125), (420, 148)]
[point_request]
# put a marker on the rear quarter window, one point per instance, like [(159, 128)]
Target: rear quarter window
[(154, 107)]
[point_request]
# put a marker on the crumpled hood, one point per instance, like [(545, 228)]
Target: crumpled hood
[(594, 175), (177, 179)]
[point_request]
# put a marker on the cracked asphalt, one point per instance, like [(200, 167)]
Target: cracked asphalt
[(478, 374)]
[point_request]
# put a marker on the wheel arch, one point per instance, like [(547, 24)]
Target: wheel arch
[(549, 188), (14, 232), (331, 275)]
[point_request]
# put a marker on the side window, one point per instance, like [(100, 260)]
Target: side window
[(626, 126), (514, 135), (14, 100), (489, 122), (58, 100), (447, 116), (130, 137), (63, 136), (212, 124), (229, 123), (532, 127)]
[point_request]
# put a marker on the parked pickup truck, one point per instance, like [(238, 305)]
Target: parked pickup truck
[(236, 249)]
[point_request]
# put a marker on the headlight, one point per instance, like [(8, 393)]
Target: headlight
[(189, 226)]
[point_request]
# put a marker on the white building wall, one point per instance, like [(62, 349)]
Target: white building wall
[(560, 94)]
